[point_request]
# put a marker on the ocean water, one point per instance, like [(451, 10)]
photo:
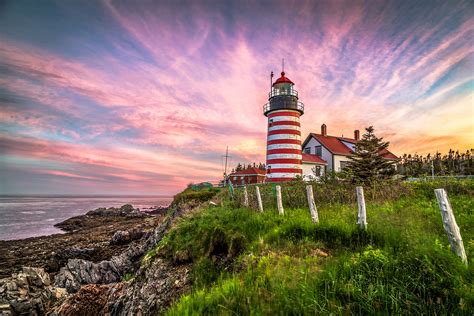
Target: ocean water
[(31, 216)]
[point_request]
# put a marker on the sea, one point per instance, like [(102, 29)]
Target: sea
[(31, 216)]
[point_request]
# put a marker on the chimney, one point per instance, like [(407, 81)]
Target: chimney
[(356, 134), (324, 130)]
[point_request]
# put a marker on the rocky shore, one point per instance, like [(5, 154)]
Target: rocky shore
[(98, 247)]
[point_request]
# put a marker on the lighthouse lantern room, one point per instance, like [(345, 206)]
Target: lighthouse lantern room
[(283, 111)]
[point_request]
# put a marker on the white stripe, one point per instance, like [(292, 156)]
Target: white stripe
[(284, 118), (285, 110), (282, 175), (285, 165), (283, 156), (283, 146), (277, 127), (284, 136)]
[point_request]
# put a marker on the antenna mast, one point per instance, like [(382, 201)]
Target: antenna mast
[(271, 80), (283, 64)]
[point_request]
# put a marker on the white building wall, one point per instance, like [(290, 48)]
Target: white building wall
[(308, 173), (325, 154), (337, 161)]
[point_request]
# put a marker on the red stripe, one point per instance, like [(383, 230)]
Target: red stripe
[(284, 151), (280, 179), (287, 170), (284, 123), (295, 114), (283, 160), (284, 141), (284, 131)]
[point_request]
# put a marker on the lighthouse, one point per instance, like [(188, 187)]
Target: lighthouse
[(283, 111)]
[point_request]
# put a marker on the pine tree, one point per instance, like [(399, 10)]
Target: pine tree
[(367, 164)]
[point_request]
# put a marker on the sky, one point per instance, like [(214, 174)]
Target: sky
[(142, 97)]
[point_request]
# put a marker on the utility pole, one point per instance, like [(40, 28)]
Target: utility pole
[(225, 168)]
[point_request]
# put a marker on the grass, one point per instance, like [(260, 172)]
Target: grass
[(245, 262)]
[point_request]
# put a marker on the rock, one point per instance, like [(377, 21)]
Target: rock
[(154, 288), (79, 222), (78, 272), (28, 293), (125, 210), (157, 210), (89, 300), (124, 237), (37, 276), (5, 309)]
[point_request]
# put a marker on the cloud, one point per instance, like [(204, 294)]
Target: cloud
[(165, 87)]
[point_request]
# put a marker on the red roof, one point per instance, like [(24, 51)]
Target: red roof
[(283, 79), (313, 159), (333, 144), (249, 171), (336, 146), (388, 155)]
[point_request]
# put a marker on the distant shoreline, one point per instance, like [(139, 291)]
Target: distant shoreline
[(83, 196), (32, 216)]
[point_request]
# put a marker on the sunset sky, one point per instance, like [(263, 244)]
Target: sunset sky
[(142, 97)]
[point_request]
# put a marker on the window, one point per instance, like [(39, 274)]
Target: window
[(343, 164), (270, 122), (307, 150), (319, 151)]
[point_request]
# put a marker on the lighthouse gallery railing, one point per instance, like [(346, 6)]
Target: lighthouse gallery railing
[(299, 106)]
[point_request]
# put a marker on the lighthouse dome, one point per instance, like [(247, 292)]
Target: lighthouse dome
[(283, 79)]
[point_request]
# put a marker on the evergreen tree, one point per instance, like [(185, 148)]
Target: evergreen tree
[(367, 164)]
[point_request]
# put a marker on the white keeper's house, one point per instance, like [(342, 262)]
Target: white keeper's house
[(332, 153)]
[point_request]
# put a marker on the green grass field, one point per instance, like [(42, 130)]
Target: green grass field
[(245, 262)]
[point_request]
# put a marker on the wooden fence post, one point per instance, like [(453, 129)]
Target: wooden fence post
[(259, 199), (279, 201), (450, 225), (312, 205), (362, 216), (246, 197)]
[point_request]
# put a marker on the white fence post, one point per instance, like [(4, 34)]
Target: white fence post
[(312, 205), (246, 197), (259, 199), (450, 225), (279, 201), (362, 216)]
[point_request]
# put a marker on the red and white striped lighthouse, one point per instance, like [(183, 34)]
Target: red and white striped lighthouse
[(284, 136)]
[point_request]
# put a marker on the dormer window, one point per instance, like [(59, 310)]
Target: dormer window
[(318, 151)]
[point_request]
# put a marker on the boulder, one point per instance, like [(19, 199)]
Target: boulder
[(79, 272), (123, 237), (28, 293)]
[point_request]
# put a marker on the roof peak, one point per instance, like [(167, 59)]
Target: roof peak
[(283, 79)]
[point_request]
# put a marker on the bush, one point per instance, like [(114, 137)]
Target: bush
[(191, 195)]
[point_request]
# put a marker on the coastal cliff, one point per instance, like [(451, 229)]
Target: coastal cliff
[(215, 253)]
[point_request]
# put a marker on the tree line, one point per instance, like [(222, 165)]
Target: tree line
[(241, 167), (452, 163)]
